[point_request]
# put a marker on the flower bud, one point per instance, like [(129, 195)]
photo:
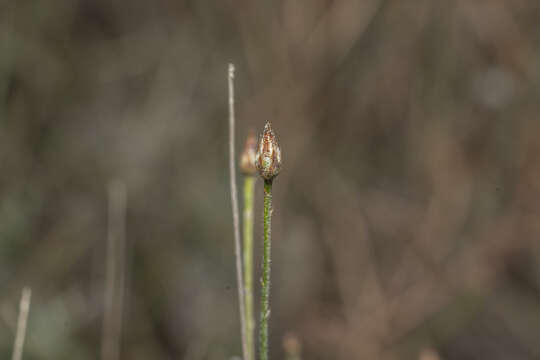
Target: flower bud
[(268, 157), (247, 159)]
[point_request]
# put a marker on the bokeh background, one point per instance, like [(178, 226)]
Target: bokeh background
[(407, 215)]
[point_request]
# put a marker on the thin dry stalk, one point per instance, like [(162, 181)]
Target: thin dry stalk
[(236, 214), (24, 308), (115, 272)]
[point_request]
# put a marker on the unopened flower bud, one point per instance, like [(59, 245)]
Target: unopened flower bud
[(268, 157), (247, 159)]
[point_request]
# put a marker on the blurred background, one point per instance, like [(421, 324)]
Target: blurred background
[(407, 214)]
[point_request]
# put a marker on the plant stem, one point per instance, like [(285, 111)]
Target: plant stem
[(265, 293), (249, 182), (236, 216)]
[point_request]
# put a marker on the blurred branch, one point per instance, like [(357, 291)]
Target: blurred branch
[(115, 272), (6, 60)]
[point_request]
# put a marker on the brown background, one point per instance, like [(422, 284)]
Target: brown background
[(406, 217)]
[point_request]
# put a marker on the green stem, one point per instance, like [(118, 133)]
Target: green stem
[(265, 293), (249, 183)]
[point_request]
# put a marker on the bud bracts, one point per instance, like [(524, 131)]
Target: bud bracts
[(268, 157)]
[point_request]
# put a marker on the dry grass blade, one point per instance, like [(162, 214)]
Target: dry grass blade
[(236, 213), (24, 308)]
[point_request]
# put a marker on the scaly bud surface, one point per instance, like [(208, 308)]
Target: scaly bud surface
[(268, 157)]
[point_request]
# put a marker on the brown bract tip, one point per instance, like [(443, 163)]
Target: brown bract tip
[(292, 345)]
